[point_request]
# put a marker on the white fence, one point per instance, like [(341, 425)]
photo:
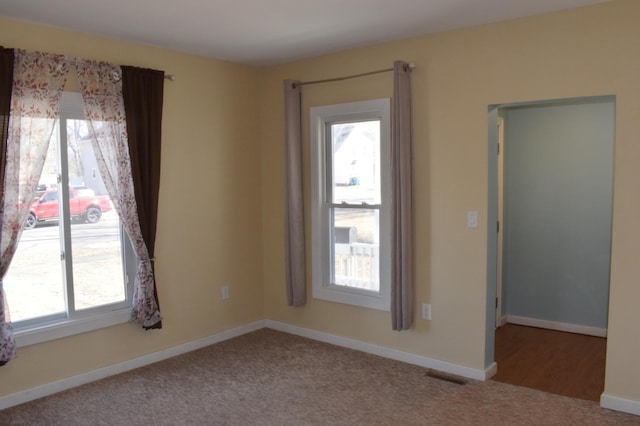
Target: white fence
[(356, 265)]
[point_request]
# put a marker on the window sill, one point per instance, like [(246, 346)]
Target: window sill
[(363, 299), (69, 327)]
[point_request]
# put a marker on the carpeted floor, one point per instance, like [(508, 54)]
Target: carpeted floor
[(273, 378)]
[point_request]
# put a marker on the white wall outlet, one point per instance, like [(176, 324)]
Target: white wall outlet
[(225, 292), (426, 311), (472, 219)]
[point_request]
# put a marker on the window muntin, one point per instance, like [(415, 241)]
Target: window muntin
[(350, 212), (71, 267)]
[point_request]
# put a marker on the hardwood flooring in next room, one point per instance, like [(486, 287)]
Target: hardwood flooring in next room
[(552, 361)]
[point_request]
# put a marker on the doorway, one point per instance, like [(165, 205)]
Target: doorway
[(555, 238)]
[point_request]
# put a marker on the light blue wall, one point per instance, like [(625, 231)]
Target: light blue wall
[(557, 217)]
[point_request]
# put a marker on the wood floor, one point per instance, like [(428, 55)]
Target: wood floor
[(552, 361)]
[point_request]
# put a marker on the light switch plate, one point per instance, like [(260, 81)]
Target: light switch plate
[(472, 219), (426, 311)]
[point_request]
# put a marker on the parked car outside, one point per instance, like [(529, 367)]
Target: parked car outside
[(84, 206)]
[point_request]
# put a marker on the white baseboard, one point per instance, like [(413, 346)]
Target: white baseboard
[(491, 371), (620, 404), (559, 326), (446, 367), (101, 373)]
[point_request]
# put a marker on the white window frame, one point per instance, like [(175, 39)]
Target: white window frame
[(56, 326), (320, 118)]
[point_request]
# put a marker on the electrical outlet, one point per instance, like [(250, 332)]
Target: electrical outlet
[(225, 292), (426, 311)]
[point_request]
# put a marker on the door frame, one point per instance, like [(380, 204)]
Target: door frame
[(500, 319), (493, 118)]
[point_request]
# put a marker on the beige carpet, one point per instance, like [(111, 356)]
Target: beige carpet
[(273, 378)]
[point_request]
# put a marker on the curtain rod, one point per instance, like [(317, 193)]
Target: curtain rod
[(170, 77), (411, 66)]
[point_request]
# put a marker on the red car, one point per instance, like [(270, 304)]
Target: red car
[(83, 206)]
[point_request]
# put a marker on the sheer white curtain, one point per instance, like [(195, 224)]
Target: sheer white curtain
[(101, 85), (38, 81)]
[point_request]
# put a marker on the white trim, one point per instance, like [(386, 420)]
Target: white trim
[(559, 326), (319, 118), (620, 404), (503, 320), (40, 333), (500, 207), (491, 371), (446, 367), (101, 373)]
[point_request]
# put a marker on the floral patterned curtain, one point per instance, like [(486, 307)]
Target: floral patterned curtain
[(101, 85), (38, 81), (7, 346)]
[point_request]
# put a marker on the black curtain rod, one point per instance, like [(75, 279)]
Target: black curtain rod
[(408, 67)]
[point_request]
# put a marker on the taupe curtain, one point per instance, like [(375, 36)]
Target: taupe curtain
[(7, 342), (294, 210), (143, 92), (401, 206)]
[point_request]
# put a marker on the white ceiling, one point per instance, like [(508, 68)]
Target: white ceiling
[(268, 32)]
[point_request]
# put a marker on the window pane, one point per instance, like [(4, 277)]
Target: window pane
[(97, 266), (355, 249), (95, 236), (355, 160), (34, 282)]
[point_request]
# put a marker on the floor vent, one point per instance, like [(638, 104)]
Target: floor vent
[(446, 378)]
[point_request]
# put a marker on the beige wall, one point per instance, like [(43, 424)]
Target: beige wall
[(223, 149), (582, 52), (209, 231)]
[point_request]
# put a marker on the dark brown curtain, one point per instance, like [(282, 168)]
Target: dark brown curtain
[(7, 342), (143, 90), (6, 82)]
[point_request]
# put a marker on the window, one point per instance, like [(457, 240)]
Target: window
[(350, 203), (69, 273)]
